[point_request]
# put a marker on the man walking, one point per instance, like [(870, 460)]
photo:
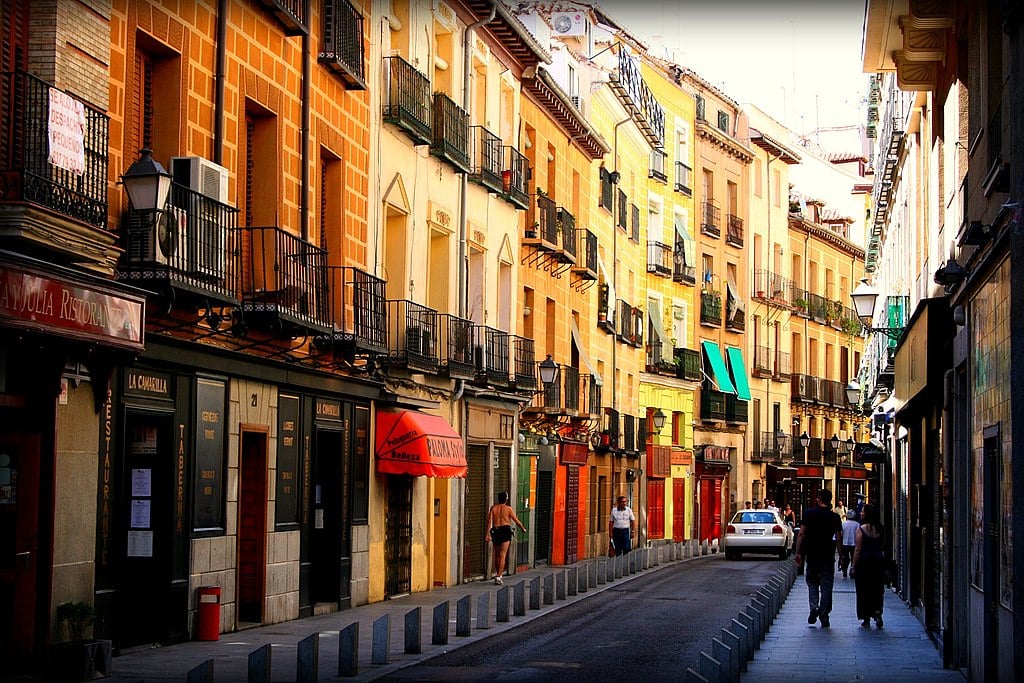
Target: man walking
[(821, 535), (621, 525), (850, 527)]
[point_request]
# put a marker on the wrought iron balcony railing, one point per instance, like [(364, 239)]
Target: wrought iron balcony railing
[(68, 178), (525, 363), (659, 258), (486, 159), (804, 387), (285, 288), (358, 312), (291, 14), (711, 307), (456, 346), (783, 366), (772, 446), (586, 265), (735, 408), (342, 47), (657, 169), (684, 183), (451, 133), (407, 101), (628, 85), (185, 247), (514, 176), (491, 349), (629, 441), (681, 270), (570, 390), (712, 404), (590, 395), (772, 288), (762, 366), (566, 224), (656, 361), (734, 231), (542, 224), (688, 364), (412, 336), (711, 217)]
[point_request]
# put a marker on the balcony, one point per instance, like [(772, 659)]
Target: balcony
[(412, 336), (688, 364), (712, 404), (456, 346), (629, 442), (711, 220), (565, 222), (804, 388), (451, 133), (657, 169), (66, 193), (524, 364), (643, 107), (772, 289), (585, 270), (656, 362), (734, 230), (407, 99), (684, 182), (590, 395), (773, 447), (735, 409), (358, 313), (783, 367), (342, 47), (183, 250), (491, 352), (681, 271), (285, 286), (659, 258), (570, 390), (514, 175), (486, 159), (631, 325), (291, 14), (762, 362), (542, 224), (711, 308)]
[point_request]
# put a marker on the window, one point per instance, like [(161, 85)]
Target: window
[(261, 171), (157, 98), (723, 121)]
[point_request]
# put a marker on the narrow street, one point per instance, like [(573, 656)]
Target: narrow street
[(651, 628)]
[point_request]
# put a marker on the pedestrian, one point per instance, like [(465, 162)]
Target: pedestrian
[(499, 532), (621, 525), (821, 533), (868, 569), (850, 526), (840, 509), (788, 516), (747, 505), (770, 505)]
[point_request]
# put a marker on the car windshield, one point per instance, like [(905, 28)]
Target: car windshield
[(754, 518)]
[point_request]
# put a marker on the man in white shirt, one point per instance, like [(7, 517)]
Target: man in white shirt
[(621, 526), (850, 526)]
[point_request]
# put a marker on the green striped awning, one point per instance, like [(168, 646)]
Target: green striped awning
[(739, 372), (719, 373)]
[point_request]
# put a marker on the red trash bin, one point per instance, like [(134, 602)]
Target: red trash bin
[(208, 619)]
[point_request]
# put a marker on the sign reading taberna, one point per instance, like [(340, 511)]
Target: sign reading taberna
[(418, 444)]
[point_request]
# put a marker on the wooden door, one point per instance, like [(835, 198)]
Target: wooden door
[(678, 510), (19, 517), (398, 537), (252, 527)]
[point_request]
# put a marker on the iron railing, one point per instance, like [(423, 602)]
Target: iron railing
[(657, 167), (711, 217), (291, 14), (656, 361), (542, 223), (492, 355), (456, 346), (684, 183), (711, 307), (774, 446), (659, 258), (644, 108), (486, 159), (772, 288), (525, 363), (284, 281), (586, 267), (681, 270), (342, 48), (804, 387), (783, 366), (734, 231), (407, 102), (566, 224), (590, 395), (412, 336), (712, 404), (629, 433), (514, 176), (451, 133), (571, 389), (73, 183), (762, 362), (688, 364), (358, 311)]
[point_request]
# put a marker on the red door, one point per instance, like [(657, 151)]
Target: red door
[(678, 510), (252, 527), (19, 544), (710, 508)]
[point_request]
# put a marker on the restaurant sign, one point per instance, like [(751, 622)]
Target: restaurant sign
[(51, 305)]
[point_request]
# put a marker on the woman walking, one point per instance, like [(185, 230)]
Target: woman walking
[(868, 568), (499, 532)]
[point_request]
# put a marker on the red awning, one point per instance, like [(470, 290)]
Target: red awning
[(410, 442)]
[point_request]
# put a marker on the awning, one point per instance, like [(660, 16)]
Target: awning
[(689, 248), (574, 330), (654, 314), (719, 374), (734, 306), (422, 445), (739, 372), (610, 304)]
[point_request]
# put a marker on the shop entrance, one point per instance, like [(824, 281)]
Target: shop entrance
[(147, 524), (398, 536), (19, 516), (330, 549), (710, 508), (252, 527), (545, 503)]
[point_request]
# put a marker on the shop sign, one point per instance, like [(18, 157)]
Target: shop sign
[(48, 305), (287, 510), (681, 456), (850, 473), (326, 409), (716, 454), (810, 472), (574, 453), (147, 383), (208, 484)]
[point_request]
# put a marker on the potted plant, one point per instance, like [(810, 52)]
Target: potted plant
[(801, 306), (80, 658)]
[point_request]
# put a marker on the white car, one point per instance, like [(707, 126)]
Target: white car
[(757, 531)]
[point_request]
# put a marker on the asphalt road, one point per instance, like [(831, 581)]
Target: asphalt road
[(648, 629)]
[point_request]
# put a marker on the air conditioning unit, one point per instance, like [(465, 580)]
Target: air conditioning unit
[(568, 23), (419, 341), (577, 102), (159, 237), (202, 175)]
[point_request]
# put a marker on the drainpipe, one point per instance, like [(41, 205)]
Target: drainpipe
[(615, 271), (304, 131), (218, 82)]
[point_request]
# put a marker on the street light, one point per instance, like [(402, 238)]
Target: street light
[(805, 441), (864, 299), (548, 371), (780, 441), (147, 182), (853, 393), (659, 420), (835, 443)]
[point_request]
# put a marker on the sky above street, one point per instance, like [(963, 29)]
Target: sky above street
[(798, 60)]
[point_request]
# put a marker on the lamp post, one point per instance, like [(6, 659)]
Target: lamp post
[(864, 298), (659, 420), (147, 182)]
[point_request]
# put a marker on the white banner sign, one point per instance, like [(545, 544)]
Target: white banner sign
[(66, 132)]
